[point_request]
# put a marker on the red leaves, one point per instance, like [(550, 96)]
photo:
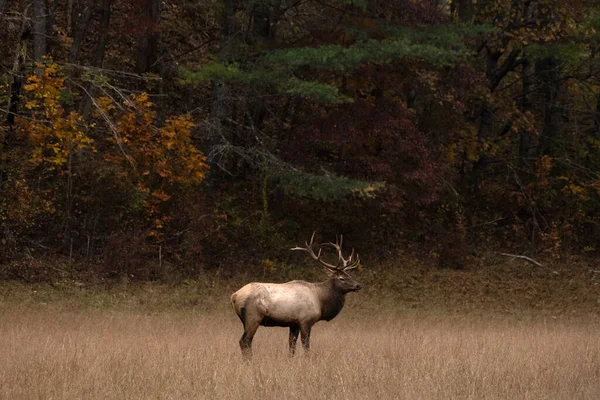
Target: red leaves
[(375, 141)]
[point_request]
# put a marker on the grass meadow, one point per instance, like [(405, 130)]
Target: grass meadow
[(444, 335), (59, 354)]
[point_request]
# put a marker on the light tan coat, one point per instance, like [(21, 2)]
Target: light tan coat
[(296, 304)]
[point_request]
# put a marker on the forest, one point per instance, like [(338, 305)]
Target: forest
[(139, 135)]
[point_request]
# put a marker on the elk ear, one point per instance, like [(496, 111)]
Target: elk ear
[(328, 271)]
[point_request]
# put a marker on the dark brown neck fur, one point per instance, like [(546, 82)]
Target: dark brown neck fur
[(332, 299)]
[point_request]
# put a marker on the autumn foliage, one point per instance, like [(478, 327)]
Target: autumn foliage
[(141, 168), (435, 127)]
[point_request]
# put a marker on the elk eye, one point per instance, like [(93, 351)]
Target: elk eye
[(342, 278)]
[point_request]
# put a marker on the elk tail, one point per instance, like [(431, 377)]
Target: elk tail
[(233, 297)]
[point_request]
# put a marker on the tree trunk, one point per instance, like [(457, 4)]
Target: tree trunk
[(148, 48), (597, 117), (50, 13), (98, 59), (40, 43), (264, 21), (70, 12), (524, 137), (80, 28), (221, 107), (465, 10), (3, 4), (17, 74), (103, 36), (548, 72), (8, 139), (495, 73), (486, 124), (69, 202)]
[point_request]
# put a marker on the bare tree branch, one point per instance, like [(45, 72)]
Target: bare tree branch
[(515, 256), (111, 125)]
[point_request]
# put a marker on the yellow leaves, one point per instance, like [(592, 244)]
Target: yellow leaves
[(105, 104), (270, 265), (187, 161), (543, 167), (33, 81), (176, 132), (53, 135), (46, 90), (168, 153), (165, 158), (140, 102), (161, 195), (575, 190)]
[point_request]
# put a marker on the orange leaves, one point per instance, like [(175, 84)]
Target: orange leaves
[(105, 104), (165, 154), (145, 162), (46, 88), (135, 125), (189, 162), (543, 168), (161, 195), (575, 190), (52, 132), (165, 158), (176, 132)]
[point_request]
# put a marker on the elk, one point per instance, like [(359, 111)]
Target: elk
[(296, 304)]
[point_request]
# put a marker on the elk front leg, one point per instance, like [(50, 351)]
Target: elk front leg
[(294, 331), (305, 332)]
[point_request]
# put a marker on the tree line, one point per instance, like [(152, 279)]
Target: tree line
[(204, 133)]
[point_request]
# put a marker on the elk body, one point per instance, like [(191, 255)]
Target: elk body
[(296, 304)]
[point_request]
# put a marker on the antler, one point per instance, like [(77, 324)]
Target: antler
[(347, 264), (317, 257)]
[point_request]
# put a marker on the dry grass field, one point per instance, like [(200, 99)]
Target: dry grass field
[(55, 353), (501, 331)]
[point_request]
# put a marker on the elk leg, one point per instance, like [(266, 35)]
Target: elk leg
[(305, 332), (246, 346), (294, 331), (250, 328)]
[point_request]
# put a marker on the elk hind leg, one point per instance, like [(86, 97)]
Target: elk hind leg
[(251, 324), (294, 331)]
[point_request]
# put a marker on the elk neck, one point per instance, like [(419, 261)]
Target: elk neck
[(332, 299)]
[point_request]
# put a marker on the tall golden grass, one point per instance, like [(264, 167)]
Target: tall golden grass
[(51, 353)]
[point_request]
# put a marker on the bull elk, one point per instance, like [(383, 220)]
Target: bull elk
[(296, 304)]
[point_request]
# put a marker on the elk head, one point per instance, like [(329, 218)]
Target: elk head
[(338, 273)]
